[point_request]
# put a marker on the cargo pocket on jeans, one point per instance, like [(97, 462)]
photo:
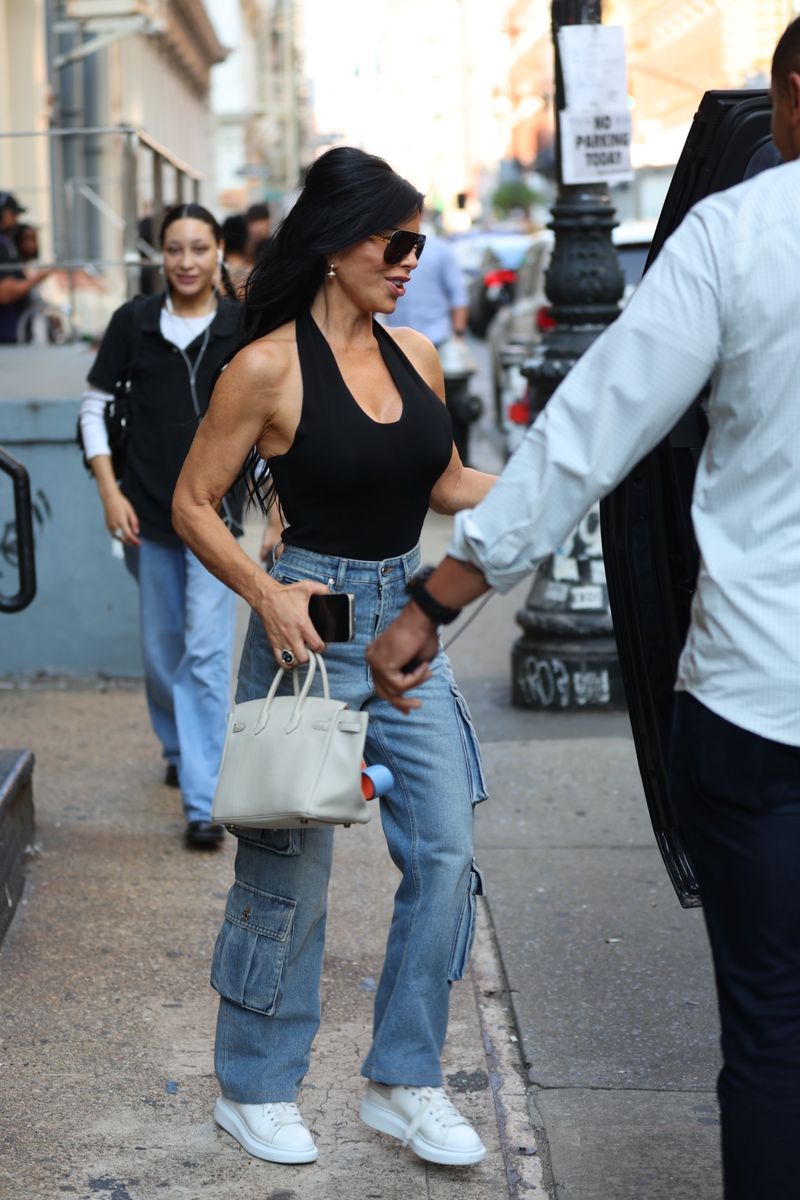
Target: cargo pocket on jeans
[(472, 749), (465, 932), (251, 948), (277, 841)]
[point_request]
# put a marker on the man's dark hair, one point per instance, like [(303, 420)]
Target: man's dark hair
[(257, 212), (786, 58), (234, 234)]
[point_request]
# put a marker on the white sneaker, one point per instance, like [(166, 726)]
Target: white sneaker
[(275, 1132), (424, 1119)]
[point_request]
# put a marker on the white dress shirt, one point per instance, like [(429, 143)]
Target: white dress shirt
[(722, 301)]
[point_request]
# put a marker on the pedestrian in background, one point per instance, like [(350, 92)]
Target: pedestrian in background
[(350, 419), (259, 227), (26, 240), (169, 347), (234, 239), (16, 284), (720, 302), (436, 305)]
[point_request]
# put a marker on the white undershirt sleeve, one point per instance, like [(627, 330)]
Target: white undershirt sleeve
[(93, 424)]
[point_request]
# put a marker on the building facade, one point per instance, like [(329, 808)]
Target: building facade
[(72, 72), (676, 50), (260, 103)]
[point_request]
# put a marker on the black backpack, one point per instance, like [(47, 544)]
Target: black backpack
[(117, 412)]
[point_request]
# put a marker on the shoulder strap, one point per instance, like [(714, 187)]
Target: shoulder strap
[(139, 303)]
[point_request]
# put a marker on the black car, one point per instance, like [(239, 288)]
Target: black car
[(650, 553)]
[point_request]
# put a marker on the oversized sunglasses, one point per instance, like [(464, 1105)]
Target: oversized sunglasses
[(400, 243)]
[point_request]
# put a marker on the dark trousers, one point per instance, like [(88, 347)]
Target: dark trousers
[(738, 797)]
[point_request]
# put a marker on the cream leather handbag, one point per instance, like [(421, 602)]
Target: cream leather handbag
[(292, 761)]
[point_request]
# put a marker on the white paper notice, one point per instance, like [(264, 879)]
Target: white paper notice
[(593, 66), (595, 125), (595, 147)]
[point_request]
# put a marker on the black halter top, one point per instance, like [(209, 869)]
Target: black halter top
[(350, 486)]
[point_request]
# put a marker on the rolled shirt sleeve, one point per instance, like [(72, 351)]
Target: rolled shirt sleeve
[(621, 398)]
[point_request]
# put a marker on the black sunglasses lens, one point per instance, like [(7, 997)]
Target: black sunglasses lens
[(401, 243)]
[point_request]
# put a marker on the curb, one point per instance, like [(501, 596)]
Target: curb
[(522, 1139)]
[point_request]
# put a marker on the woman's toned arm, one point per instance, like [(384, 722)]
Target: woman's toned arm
[(243, 412), (458, 486)]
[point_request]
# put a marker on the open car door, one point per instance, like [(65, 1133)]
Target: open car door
[(648, 543)]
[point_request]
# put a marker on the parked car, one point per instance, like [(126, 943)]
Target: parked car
[(516, 330), (469, 245), (492, 285)]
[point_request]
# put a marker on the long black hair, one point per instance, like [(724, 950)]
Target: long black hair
[(347, 195), (196, 212)]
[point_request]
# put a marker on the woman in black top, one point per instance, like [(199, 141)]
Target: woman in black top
[(351, 420), (169, 347)]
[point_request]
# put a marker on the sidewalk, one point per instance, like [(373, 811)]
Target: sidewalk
[(107, 1019)]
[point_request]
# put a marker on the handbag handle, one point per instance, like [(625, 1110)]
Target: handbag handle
[(314, 661)]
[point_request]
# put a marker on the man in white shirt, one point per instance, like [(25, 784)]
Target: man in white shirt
[(721, 302)]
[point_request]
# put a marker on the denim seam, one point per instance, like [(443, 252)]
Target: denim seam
[(413, 857), (471, 747)]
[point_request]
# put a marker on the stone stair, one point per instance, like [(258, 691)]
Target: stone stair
[(16, 828)]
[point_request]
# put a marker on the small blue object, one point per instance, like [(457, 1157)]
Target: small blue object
[(382, 778), (171, 1086)]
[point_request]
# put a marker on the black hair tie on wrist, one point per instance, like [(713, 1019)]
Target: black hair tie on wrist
[(440, 614)]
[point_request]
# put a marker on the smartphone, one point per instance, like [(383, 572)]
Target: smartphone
[(333, 616)]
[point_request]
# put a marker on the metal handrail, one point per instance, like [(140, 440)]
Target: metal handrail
[(127, 250), (141, 134), (23, 516)]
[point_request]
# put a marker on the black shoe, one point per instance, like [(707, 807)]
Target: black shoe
[(171, 776), (204, 835)]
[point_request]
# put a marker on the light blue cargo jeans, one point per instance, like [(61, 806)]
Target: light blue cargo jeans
[(268, 956), (187, 621)]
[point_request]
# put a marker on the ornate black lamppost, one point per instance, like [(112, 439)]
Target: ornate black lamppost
[(566, 656)]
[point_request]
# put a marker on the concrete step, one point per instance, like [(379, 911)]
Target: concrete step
[(16, 828)]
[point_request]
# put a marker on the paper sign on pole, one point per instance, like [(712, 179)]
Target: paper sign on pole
[(595, 147), (595, 125)]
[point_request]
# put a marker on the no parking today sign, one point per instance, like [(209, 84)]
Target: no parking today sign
[(595, 125)]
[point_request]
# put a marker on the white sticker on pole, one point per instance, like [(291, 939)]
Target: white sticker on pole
[(595, 125)]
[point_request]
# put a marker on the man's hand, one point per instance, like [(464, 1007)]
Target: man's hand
[(412, 638)]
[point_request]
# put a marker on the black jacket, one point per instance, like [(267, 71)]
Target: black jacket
[(162, 419)]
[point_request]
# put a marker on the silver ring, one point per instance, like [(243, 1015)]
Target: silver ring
[(119, 533), (287, 657)]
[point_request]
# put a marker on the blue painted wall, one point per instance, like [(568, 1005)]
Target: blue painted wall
[(84, 619)]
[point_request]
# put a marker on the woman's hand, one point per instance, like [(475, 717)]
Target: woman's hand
[(283, 610), (121, 519)]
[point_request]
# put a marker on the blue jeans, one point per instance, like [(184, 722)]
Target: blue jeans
[(186, 619), (268, 956)]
